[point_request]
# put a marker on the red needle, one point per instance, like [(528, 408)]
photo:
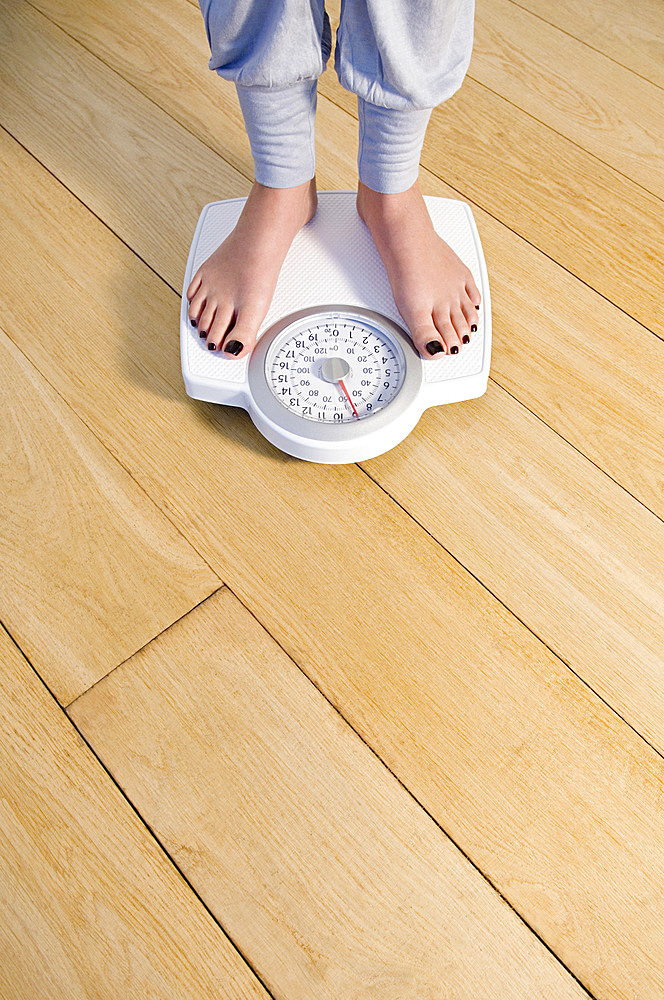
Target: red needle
[(341, 383)]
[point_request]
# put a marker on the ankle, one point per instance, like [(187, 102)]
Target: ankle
[(371, 203), (302, 195), (282, 210)]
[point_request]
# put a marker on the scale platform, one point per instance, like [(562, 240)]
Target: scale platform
[(334, 376)]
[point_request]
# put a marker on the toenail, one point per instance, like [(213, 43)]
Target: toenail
[(202, 333), (454, 350), (466, 338), (433, 347), (473, 328), (477, 307), (234, 347), (193, 322), (210, 347)]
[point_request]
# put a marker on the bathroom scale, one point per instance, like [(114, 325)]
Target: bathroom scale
[(334, 376)]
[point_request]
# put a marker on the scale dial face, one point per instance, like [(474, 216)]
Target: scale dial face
[(335, 368), (334, 374)]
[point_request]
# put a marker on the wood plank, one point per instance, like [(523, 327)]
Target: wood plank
[(576, 209), (92, 569), (325, 872), (539, 783), (592, 100), (627, 672), (91, 906), (566, 550), (631, 34), (171, 33), (565, 335)]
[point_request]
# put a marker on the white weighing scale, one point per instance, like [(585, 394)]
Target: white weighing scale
[(334, 377)]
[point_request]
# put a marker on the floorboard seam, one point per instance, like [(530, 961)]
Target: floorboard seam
[(411, 795), (514, 615), (149, 642), (115, 458), (325, 97), (582, 41), (143, 822), (147, 97), (491, 378), (583, 455)]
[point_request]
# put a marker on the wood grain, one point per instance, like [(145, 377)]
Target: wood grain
[(537, 780), (329, 877), (583, 213), (614, 413), (91, 569), (626, 670), (546, 789), (588, 581), (91, 906), (592, 100), (631, 34)]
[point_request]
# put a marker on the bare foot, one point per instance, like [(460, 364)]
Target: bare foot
[(230, 294), (433, 290)]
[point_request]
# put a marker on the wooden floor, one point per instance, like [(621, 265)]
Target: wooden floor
[(278, 729)]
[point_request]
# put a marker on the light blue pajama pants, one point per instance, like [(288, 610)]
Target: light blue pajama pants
[(400, 57)]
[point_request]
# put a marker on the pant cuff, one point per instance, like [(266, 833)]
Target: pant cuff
[(390, 144), (280, 127)]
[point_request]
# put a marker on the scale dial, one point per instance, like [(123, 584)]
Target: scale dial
[(333, 382), (335, 367)]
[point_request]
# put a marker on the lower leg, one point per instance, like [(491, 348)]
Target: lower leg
[(433, 289), (231, 292)]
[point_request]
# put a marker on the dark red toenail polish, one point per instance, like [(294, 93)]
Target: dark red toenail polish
[(433, 347), (454, 350), (473, 328), (234, 347), (466, 338), (210, 347), (193, 322), (477, 307), (202, 333)]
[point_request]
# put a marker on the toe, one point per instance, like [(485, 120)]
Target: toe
[(194, 285), (196, 307), (427, 340), (460, 324), (445, 326), (473, 293), (240, 339), (219, 326), (207, 316), (470, 315)]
